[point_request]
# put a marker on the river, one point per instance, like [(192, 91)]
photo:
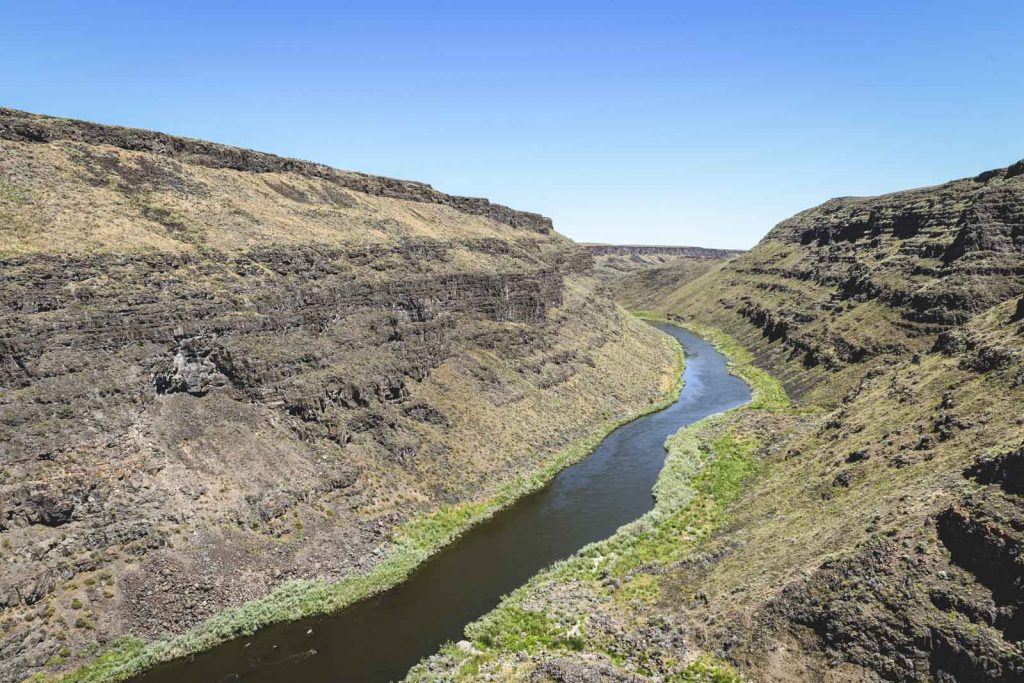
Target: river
[(379, 639)]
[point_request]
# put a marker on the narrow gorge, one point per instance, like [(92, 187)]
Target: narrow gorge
[(869, 530), (262, 415)]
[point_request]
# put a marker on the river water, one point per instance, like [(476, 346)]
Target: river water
[(379, 639)]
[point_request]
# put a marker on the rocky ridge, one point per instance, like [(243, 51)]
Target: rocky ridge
[(660, 250), (19, 126), (878, 536), (638, 274), (221, 370), (860, 281)]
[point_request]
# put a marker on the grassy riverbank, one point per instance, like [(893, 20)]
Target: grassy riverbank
[(594, 611), (415, 541), (768, 393)]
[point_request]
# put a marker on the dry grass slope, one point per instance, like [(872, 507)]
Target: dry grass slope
[(236, 388), (876, 534)]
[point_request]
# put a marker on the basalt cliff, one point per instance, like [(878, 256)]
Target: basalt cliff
[(223, 370), (636, 275), (867, 528)]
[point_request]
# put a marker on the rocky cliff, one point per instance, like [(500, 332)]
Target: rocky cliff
[(639, 274), (661, 250), (221, 370), (898, 316), (872, 532), (862, 281)]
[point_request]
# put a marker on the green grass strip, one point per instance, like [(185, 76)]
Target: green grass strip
[(699, 480), (414, 542), (768, 392)]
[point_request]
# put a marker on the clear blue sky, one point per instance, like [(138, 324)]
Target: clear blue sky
[(659, 122)]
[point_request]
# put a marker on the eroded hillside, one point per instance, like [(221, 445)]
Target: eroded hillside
[(861, 282), (222, 370), (638, 274), (871, 532)]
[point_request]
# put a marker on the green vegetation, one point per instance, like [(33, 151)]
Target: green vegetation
[(706, 467), (414, 542), (700, 479), (901, 414), (768, 392), (517, 629), (707, 670), (507, 355)]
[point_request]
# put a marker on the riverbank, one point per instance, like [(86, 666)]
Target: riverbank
[(593, 615), (768, 392), (414, 542)]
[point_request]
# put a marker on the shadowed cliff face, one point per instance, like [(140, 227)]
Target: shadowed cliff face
[(221, 369)]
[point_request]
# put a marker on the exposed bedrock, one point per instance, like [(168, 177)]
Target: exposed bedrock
[(655, 250), (868, 280), (905, 612), (900, 519), (25, 127), (221, 370)]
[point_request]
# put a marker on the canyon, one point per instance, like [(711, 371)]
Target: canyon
[(867, 527), (238, 389), (638, 274), (225, 373)]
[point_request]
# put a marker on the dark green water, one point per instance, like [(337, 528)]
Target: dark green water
[(379, 639)]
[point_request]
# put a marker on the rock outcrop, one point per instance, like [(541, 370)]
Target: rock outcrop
[(656, 250), (862, 281), (221, 369), (637, 275), (899, 312), (880, 537)]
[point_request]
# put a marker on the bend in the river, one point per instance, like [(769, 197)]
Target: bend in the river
[(379, 639)]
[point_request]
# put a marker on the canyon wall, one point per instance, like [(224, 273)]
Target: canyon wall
[(871, 531), (860, 282), (899, 507), (636, 275), (221, 370)]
